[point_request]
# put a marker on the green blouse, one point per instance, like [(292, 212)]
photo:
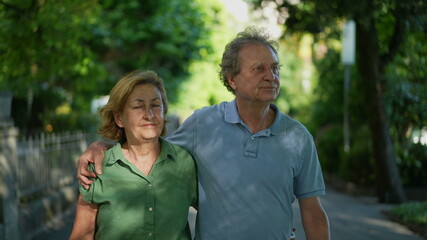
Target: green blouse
[(135, 206)]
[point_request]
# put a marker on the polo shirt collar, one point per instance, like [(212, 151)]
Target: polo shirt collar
[(167, 152), (117, 153), (277, 128), (231, 113), (279, 125)]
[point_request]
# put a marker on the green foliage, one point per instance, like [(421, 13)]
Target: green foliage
[(203, 87), (42, 43), (357, 165), (406, 107), (165, 36), (407, 86), (327, 120), (44, 56), (59, 55), (329, 91), (329, 142), (73, 121), (412, 213), (413, 164), (296, 77)]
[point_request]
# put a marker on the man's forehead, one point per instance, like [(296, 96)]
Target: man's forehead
[(252, 54)]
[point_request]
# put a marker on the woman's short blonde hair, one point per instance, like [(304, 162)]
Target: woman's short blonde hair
[(118, 98)]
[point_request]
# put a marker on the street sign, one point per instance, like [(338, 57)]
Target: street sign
[(348, 50)]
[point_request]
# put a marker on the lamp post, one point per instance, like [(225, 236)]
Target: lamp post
[(347, 58)]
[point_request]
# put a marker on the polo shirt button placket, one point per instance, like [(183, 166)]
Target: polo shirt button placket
[(150, 234), (251, 147)]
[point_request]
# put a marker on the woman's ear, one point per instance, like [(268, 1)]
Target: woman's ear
[(118, 119)]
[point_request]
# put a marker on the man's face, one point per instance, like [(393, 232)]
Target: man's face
[(259, 78)]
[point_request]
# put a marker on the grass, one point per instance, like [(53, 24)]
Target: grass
[(412, 215)]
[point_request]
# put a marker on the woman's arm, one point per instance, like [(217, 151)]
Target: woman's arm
[(85, 221)]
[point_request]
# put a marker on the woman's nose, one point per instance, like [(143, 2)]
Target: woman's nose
[(148, 114)]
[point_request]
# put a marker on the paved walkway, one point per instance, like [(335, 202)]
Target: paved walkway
[(350, 219), (357, 219)]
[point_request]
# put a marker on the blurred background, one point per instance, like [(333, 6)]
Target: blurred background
[(367, 108)]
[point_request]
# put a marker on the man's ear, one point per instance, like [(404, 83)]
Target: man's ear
[(231, 81), (118, 119)]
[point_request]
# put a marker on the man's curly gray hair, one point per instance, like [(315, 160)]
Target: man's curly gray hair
[(230, 65)]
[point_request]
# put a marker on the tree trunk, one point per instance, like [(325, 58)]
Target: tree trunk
[(389, 185)]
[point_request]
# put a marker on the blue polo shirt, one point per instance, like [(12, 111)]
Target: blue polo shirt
[(248, 181)]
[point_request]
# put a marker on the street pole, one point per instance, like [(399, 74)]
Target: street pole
[(346, 123), (347, 57)]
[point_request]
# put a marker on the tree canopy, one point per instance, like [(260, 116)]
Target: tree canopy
[(58, 55)]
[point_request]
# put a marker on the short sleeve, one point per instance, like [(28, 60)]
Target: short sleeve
[(309, 180), (193, 187), (88, 193), (185, 135)]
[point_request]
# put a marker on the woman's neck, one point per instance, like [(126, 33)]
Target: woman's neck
[(142, 155)]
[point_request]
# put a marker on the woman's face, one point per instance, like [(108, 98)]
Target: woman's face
[(143, 115)]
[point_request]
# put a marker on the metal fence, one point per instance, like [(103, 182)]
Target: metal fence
[(47, 162), (38, 180)]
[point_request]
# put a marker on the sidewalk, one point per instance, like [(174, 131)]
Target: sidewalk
[(353, 218), (350, 219), (60, 228)]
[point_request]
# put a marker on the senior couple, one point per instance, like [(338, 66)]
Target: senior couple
[(241, 164)]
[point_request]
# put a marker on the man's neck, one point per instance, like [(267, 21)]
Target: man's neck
[(257, 116)]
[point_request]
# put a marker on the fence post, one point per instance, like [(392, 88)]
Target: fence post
[(8, 184), (9, 214)]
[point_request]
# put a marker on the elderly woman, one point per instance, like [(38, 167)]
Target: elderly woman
[(148, 184)]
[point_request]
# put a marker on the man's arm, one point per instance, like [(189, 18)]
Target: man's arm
[(314, 219), (93, 154), (85, 221)]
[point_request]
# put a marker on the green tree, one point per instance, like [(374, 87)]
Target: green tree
[(162, 35), (203, 87), (381, 30), (407, 107), (58, 55), (42, 53)]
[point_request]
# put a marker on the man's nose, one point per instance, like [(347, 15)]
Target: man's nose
[(271, 76)]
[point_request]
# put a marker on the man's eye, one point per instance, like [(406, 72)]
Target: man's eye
[(259, 68)]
